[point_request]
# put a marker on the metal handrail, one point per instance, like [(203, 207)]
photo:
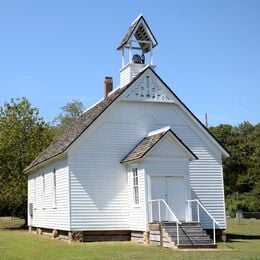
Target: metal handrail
[(159, 215), (212, 218)]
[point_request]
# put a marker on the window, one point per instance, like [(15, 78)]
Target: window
[(34, 193), (135, 186), (54, 189), (43, 190)]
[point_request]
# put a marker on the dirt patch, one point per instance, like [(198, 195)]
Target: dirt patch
[(6, 218)]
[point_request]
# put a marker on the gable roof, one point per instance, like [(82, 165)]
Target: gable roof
[(224, 151), (72, 133), (63, 141), (140, 34), (146, 144)]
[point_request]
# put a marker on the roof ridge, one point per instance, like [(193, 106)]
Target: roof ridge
[(137, 18), (73, 132)]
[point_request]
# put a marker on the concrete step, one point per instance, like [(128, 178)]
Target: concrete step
[(183, 224), (201, 242), (188, 239), (186, 246), (191, 235), (196, 237), (185, 230)]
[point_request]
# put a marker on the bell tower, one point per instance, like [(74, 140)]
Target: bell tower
[(137, 49)]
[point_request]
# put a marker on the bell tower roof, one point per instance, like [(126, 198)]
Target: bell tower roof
[(138, 43), (141, 31)]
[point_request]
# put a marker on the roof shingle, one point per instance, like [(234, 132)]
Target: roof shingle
[(61, 143), (144, 147)]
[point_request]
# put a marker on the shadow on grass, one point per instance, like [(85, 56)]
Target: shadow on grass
[(242, 237), (22, 227)]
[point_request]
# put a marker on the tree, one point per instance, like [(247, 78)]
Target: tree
[(23, 135), (71, 111), (242, 168)]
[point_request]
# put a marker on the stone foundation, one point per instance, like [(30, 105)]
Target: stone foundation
[(53, 233), (30, 229), (94, 236), (75, 236), (137, 236), (155, 238)]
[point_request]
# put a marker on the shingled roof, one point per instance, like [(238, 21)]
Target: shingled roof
[(60, 144), (146, 144), (76, 129)]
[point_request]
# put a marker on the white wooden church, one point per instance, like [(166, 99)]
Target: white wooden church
[(138, 165)]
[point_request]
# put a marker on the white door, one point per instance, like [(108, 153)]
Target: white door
[(172, 190)]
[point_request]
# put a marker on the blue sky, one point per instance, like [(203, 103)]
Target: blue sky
[(209, 52)]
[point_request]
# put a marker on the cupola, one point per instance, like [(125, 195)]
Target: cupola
[(137, 50)]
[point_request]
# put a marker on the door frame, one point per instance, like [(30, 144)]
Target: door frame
[(187, 191)]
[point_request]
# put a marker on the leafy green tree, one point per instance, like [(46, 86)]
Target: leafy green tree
[(242, 168), (71, 111), (23, 135)]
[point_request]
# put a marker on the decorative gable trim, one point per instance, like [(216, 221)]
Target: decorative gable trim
[(147, 88), (64, 141), (194, 118), (61, 144), (178, 102)]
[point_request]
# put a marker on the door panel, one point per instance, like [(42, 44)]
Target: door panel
[(176, 196), (172, 190), (158, 192)]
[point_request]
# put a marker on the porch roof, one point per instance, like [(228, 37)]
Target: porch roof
[(147, 143)]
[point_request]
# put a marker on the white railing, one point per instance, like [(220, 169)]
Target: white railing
[(198, 203), (160, 215)]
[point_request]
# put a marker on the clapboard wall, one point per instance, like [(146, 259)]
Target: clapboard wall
[(45, 213)]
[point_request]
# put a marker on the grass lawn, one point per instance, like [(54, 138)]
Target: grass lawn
[(244, 243)]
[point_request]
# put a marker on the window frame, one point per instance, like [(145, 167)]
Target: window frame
[(35, 192), (135, 187), (43, 190), (54, 175)]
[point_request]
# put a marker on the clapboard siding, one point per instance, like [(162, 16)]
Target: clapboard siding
[(100, 197), (99, 183), (206, 178), (129, 71), (45, 213), (137, 214), (125, 75)]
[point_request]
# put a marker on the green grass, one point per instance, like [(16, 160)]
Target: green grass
[(19, 244)]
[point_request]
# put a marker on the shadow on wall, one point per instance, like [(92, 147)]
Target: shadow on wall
[(204, 218), (96, 189)]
